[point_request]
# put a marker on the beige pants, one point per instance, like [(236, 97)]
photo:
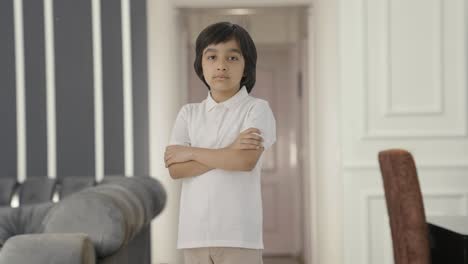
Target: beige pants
[(222, 255)]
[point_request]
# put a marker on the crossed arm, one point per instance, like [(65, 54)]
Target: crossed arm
[(241, 155)]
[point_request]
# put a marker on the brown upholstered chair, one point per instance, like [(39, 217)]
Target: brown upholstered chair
[(405, 207)]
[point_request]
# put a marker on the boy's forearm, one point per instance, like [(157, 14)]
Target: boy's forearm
[(227, 159), (187, 169)]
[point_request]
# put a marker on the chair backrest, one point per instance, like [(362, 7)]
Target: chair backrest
[(405, 207)]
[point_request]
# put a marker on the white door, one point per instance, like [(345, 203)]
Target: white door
[(277, 82)]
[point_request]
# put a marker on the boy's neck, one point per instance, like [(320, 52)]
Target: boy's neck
[(220, 97)]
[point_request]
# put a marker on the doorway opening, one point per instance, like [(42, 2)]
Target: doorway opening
[(280, 35)]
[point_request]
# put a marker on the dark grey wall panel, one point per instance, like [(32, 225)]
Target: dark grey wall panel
[(112, 87), (74, 88), (8, 150), (35, 88), (140, 87)]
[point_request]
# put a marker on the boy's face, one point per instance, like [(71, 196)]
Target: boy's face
[(223, 66)]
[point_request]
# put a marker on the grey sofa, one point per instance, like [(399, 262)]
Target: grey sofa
[(104, 223)]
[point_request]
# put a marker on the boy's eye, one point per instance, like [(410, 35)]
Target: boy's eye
[(211, 57), (233, 58)]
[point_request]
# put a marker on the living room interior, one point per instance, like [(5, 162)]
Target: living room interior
[(90, 91)]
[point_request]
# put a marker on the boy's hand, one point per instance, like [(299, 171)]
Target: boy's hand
[(248, 139), (177, 154)]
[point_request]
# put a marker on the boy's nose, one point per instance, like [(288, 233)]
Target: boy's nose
[(221, 67)]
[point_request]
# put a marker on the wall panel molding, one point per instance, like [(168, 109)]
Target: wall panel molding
[(20, 90), (98, 91), (438, 91), (49, 37), (373, 165), (377, 59), (368, 197), (127, 86)]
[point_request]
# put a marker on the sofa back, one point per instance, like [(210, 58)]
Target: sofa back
[(41, 189), (7, 187)]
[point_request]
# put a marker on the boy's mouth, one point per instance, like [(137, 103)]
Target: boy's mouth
[(221, 77)]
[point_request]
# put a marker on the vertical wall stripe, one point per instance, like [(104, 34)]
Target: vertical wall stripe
[(112, 87), (74, 88), (20, 95), (50, 88), (127, 86), (98, 101), (35, 88), (8, 135), (140, 88)]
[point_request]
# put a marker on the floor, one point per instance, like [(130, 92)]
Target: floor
[(279, 260)]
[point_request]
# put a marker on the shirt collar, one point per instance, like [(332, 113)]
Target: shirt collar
[(229, 103)]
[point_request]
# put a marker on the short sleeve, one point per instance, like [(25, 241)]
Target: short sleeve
[(180, 133), (262, 118)]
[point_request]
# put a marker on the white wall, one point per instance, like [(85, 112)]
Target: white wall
[(403, 84), (164, 102)]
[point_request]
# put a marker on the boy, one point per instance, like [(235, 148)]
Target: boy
[(216, 149)]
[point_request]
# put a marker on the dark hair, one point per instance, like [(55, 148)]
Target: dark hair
[(223, 32)]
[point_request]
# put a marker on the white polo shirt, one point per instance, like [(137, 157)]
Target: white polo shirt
[(222, 208)]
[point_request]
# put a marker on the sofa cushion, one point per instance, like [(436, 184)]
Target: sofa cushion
[(36, 190), (155, 190), (7, 224), (91, 213), (128, 203), (48, 249), (22, 220)]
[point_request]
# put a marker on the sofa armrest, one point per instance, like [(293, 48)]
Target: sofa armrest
[(48, 249), (111, 214)]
